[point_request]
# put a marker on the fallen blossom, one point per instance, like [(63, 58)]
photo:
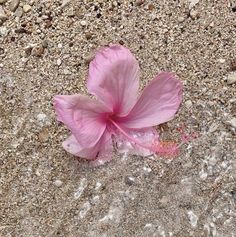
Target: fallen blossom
[(119, 115)]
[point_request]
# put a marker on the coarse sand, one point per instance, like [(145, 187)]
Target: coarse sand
[(45, 49)]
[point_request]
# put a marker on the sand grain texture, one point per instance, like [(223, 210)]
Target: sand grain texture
[(45, 50)]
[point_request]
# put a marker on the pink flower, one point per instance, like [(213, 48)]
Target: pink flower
[(118, 115)]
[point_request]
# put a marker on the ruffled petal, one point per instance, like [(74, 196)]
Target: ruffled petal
[(99, 154), (83, 116), (113, 78), (157, 104), (147, 137)]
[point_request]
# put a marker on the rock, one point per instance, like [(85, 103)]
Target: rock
[(58, 62), (71, 12), (181, 19), (188, 103), (38, 51), (3, 31), (65, 3), (194, 14), (155, 57), (28, 50), (129, 180), (14, 4), (18, 12), (43, 135), (192, 3), (2, 1), (231, 79), (139, 2), (26, 8), (83, 23), (3, 16), (58, 183), (89, 58), (45, 43), (232, 122)]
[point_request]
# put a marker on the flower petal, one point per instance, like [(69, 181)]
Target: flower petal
[(98, 154), (146, 137), (158, 103), (83, 116), (113, 78)]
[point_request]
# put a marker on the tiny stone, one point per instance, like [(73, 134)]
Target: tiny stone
[(88, 35), (231, 122), (43, 135), (71, 12), (233, 65), (194, 14), (59, 45), (38, 51), (188, 103), (26, 8), (155, 57), (129, 180), (42, 117), (14, 4), (3, 31), (231, 79), (181, 19), (151, 7), (3, 16), (28, 50), (139, 2), (58, 61), (89, 58), (65, 3), (18, 12), (45, 43), (192, 3), (58, 183), (83, 23)]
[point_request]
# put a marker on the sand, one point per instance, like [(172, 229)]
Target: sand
[(45, 48)]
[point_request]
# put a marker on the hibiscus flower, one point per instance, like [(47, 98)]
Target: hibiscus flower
[(119, 115)]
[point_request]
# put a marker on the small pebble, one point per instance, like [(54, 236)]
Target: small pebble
[(231, 79), (38, 51), (192, 3), (139, 2), (231, 122), (3, 15), (26, 8), (181, 19), (233, 65), (43, 136), (42, 118), (3, 31), (155, 57), (194, 14), (18, 12), (83, 23), (14, 4), (89, 58), (188, 103), (65, 3), (58, 61), (45, 43), (129, 180), (58, 183)]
